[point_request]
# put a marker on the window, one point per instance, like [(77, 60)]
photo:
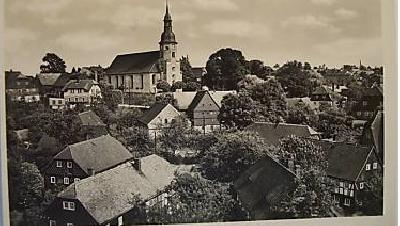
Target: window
[(351, 193), (68, 205), (368, 167), (375, 165), (153, 79), (72, 91), (173, 68), (120, 222), (166, 120), (69, 165), (53, 102), (70, 224), (361, 185), (166, 48), (347, 202), (59, 101), (79, 91), (76, 99), (66, 180), (76, 180), (52, 180), (52, 223), (336, 190), (173, 54), (365, 103), (58, 164), (346, 191), (341, 191)]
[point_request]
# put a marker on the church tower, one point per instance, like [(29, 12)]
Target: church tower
[(168, 52)]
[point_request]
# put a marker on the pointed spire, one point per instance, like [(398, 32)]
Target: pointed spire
[(167, 15)]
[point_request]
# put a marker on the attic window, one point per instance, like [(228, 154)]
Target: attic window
[(58, 164), (68, 205), (66, 180), (69, 165), (368, 167), (52, 180), (375, 165)]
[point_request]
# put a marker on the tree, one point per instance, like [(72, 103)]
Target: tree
[(301, 114), (225, 69), (178, 85), (164, 86), (296, 81), (231, 154), (32, 185), (237, 111), (192, 86), (52, 64), (257, 67), (311, 196), (186, 69), (271, 100), (198, 200), (139, 143)]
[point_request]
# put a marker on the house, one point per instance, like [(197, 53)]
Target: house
[(373, 135), (198, 73), (108, 198), (158, 116), (139, 72), (81, 92), (261, 188), (272, 133), (350, 170), (57, 103), (322, 95), (20, 87), (370, 102), (91, 125), (203, 112), (84, 159), (46, 83)]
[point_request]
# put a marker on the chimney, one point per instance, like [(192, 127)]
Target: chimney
[(137, 164), (91, 171)]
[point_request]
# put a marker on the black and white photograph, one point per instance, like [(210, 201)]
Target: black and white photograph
[(147, 112)]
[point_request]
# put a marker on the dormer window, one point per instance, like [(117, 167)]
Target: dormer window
[(59, 164), (69, 206)]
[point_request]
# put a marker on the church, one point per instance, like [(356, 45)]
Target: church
[(140, 72)]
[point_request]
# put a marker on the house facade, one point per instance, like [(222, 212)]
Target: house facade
[(352, 171), (84, 159), (110, 197), (322, 95), (81, 92), (21, 88), (140, 72), (369, 103), (203, 113), (159, 115)]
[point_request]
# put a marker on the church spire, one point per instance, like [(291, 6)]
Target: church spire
[(168, 35)]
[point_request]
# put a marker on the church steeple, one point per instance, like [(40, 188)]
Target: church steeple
[(168, 35)]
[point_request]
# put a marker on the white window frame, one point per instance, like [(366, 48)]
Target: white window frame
[(70, 224), (52, 223), (368, 167), (69, 165), (375, 165), (53, 180), (59, 164), (347, 202), (346, 192), (68, 205), (351, 193), (362, 185), (120, 221), (66, 180)]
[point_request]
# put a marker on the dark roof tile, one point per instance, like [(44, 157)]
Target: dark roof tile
[(146, 62)]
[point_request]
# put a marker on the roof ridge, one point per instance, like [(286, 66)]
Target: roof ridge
[(126, 54)]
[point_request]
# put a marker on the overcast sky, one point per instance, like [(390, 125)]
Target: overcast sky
[(93, 32)]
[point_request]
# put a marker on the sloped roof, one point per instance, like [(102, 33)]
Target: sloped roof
[(273, 132), (198, 71), (109, 194), (197, 98), (89, 118), (62, 80), (135, 63), (48, 79), (217, 96), (98, 154), (262, 180), (183, 99), (306, 100), (152, 112), (346, 161), (47, 142), (377, 129), (80, 84), (16, 80)]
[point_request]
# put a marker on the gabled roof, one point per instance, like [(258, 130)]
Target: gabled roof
[(98, 154), (273, 132), (198, 72), (306, 100), (262, 181), (152, 113), (109, 194), (197, 98), (217, 96), (184, 99), (16, 80), (80, 84), (62, 80), (346, 161), (146, 62), (89, 118), (48, 79)]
